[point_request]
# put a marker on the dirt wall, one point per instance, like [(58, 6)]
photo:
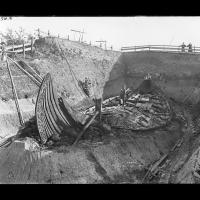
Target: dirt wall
[(176, 74)]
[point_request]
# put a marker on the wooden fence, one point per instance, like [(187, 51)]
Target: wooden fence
[(160, 48), (22, 48), (41, 33)]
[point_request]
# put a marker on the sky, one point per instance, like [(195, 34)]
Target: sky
[(117, 31)]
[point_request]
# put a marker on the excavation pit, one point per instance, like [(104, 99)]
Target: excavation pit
[(104, 155)]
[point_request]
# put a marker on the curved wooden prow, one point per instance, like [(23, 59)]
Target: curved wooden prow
[(53, 115)]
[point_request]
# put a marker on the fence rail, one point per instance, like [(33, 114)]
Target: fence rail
[(22, 48), (41, 33), (160, 48)]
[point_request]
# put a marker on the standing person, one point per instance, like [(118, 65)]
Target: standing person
[(183, 47), (122, 95), (189, 47)]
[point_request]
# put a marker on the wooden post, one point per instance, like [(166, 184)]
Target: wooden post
[(85, 128), (38, 32), (23, 49), (15, 95), (31, 44), (98, 108)]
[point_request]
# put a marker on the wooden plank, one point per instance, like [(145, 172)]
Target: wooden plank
[(31, 45), (85, 128), (20, 50), (15, 95), (18, 46), (25, 72)]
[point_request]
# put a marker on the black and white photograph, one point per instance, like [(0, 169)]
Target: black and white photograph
[(99, 99)]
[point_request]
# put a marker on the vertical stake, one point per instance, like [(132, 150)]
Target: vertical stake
[(15, 94), (31, 44)]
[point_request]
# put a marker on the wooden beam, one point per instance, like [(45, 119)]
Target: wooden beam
[(25, 72), (15, 95), (31, 44), (85, 127)]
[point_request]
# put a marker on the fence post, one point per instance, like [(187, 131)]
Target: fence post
[(38, 32), (31, 44), (23, 49)]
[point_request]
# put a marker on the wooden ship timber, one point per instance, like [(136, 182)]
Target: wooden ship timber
[(54, 115), (142, 109)]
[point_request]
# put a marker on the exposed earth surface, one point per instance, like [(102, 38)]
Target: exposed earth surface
[(105, 154)]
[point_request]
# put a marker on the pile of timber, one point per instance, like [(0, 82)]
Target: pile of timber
[(144, 110)]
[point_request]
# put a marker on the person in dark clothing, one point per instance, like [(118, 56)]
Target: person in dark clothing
[(183, 47), (122, 95), (189, 47)]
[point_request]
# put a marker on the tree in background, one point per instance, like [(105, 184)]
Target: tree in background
[(6, 18), (11, 37)]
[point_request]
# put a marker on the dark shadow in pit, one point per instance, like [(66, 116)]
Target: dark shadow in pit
[(176, 74)]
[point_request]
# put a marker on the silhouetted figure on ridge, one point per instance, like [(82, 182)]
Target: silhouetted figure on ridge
[(189, 47), (183, 47)]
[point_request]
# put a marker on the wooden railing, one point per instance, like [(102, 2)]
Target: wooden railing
[(22, 48), (41, 34), (160, 48)]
